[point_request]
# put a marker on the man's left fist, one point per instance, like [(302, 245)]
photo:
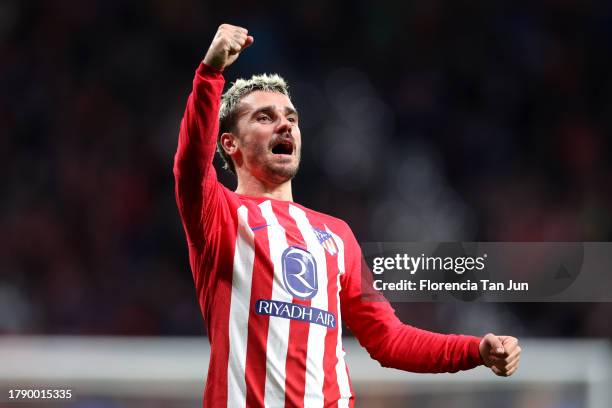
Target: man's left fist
[(500, 353)]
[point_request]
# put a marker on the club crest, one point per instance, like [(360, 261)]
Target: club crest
[(327, 241)]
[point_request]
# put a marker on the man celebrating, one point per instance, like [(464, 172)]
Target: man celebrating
[(274, 279)]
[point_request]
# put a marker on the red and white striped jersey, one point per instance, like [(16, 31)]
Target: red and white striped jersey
[(274, 282)]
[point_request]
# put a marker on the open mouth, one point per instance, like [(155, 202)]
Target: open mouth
[(283, 147)]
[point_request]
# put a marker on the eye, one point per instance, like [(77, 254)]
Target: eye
[(262, 117), (292, 119)]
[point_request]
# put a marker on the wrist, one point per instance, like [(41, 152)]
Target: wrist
[(214, 63), (209, 69), (480, 350)]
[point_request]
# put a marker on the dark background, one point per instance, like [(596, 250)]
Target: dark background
[(421, 121)]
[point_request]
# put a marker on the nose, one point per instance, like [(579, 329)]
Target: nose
[(284, 126)]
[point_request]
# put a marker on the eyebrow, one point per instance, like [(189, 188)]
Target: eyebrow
[(272, 108)]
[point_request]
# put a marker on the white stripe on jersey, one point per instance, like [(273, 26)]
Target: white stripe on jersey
[(242, 277), (313, 393), (341, 373), (278, 330)]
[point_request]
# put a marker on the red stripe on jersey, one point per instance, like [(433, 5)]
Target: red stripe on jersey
[(297, 350), (331, 391), (258, 324)]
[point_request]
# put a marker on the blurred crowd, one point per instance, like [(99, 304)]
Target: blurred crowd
[(421, 121)]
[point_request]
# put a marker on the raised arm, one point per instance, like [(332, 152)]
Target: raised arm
[(395, 344), (194, 172)]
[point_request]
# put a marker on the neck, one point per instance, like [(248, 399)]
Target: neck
[(251, 186)]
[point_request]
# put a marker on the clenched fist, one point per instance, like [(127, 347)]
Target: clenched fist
[(227, 45), (500, 353)]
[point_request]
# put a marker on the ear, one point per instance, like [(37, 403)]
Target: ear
[(229, 143)]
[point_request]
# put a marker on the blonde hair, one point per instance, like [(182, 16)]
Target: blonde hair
[(231, 99)]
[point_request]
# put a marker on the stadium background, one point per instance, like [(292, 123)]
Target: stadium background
[(421, 121)]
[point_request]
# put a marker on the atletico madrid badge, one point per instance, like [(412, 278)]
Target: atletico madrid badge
[(327, 241)]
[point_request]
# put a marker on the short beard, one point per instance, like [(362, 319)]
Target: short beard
[(283, 174)]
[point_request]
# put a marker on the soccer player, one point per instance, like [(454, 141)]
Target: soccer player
[(275, 280)]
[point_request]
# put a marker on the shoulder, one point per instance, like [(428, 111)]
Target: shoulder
[(323, 217), (336, 225)]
